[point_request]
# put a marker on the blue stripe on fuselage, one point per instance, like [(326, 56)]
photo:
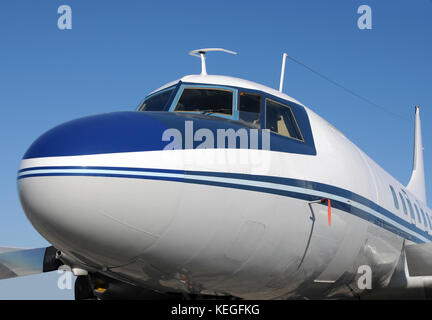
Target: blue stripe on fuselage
[(142, 131), (188, 177)]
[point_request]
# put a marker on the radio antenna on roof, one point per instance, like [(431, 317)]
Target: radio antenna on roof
[(282, 72), (200, 53)]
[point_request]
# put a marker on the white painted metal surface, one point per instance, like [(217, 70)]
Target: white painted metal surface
[(417, 181)]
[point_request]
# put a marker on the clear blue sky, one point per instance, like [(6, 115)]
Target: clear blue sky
[(119, 51)]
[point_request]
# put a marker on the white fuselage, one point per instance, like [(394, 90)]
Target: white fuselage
[(240, 222), (215, 233)]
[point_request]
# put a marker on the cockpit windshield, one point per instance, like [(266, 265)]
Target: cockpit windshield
[(249, 107), (157, 101), (206, 100)]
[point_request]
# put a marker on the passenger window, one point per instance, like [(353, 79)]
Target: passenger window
[(403, 203), (281, 120), (425, 218), (250, 108), (418, 213), (206, 101), (410, 208), (429, 221), (396, 202), (157, 101)]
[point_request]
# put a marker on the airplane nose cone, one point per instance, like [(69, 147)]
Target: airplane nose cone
[(106, 133), (98, 215)]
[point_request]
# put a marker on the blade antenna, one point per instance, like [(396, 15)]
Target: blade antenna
[(200, 53), (282, 72)]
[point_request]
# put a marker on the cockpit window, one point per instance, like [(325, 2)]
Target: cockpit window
[(206, 100), (157, 101), (250, 108), (281, 120)]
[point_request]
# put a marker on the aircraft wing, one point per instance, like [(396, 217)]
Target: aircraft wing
[(17, 262), (419, 259)]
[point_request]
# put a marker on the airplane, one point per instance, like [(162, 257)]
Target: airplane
[(217, 187)]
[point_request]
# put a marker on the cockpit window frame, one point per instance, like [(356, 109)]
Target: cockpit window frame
[(287, 106), (278, 142), (167, 104), (234, 91), (261, 96)]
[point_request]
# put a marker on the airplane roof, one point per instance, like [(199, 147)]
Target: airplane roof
[(230, 81)]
